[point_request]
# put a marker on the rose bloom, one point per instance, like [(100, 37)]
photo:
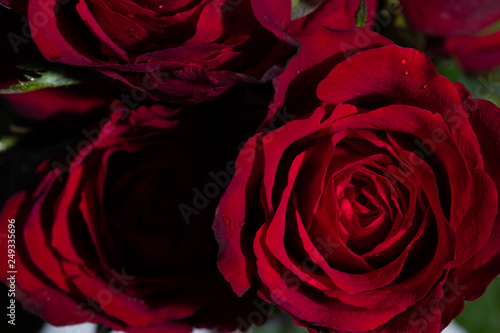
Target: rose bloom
[(468, 28), (180, 51), (102, 239), (376, 210)]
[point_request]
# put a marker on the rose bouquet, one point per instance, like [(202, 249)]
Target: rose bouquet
[(219, 164)]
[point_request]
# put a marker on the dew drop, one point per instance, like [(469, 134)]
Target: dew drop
[(226, 220), (406, 72), (241, 223), (403, 61), (424, 86)]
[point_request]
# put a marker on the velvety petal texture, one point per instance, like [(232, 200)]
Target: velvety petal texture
[(110, 235), (377, 209)]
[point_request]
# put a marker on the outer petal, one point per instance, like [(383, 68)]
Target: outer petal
[(231, 234), (400, 76), (295, 88)]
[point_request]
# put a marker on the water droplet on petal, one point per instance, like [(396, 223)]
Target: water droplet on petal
[(403, 61), (241, 223), (226, 220), (424, 86), (406, 72)]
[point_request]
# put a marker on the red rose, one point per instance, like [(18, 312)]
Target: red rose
[(377, 210), (451, 18), (102, 238), (466, 26), (42, 104), (185, 51)]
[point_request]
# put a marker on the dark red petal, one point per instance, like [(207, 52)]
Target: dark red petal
[(233, 239), (485, 120), (320, 310), (475, 228), (313, 62), (274, 16), (400, 76), (48, 37)]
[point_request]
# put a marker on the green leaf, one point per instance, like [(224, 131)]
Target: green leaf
[(7, 142), (491, 29), (40, 78), (483, 314), (301, 8), (361, 14), (484, 86)]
